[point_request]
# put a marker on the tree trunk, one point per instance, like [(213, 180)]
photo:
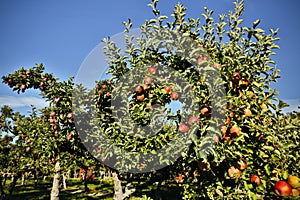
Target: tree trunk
[(75, 173), (64, 181), (23, 179), (13, 184), (119, 195), (55, 187), (68, 175), (4, 181), (86, 189), (35, 179), (2, 194)]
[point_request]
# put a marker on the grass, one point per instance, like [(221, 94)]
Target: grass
[(99, 189)]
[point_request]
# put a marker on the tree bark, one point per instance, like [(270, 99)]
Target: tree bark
[(86, 189), (75, 173), (64, 181), (13, 184), (23, 179), (55, 187), (119, 195), (35, 179)]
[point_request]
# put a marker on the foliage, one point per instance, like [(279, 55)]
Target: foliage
[(253, 137)]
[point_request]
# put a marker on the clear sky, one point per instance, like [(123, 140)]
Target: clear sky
[(60, 34)]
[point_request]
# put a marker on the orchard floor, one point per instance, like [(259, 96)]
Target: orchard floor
[(99, 189)]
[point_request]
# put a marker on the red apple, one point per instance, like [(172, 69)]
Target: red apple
[(10, 81), (282, 188), (145, 86), (23, 86), (100, 92), (149, 105), (183, 128), (295, 192), (152, 70), (217, 65), (174, 96), (193, 119), (167, 88), (54, 128), (223, 130), (139, 89), (236, 76), (69, 137), (27, 149), (104, 86), (70, 115), (148, 80), (140, 97), (234, 172), (244, 82), (235, 131), (255, 179), (204, 110), (107, 94), (201, 59), (248, 112), (52, 114)]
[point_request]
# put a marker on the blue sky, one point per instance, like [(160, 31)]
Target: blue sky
[(60, 34)]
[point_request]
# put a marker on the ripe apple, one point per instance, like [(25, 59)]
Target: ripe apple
[(140, 97), (149, 105), (223, 130), (235, 131), (27, 149), (248, 112), (231, 114), (205, 110), (107, 94), (201, 59), (217, 65), (250, 93), (295, 192), (167, 88), (282, 188), (294, 181), (174, 96), (263, 106), (69, 137), (145, 86), (244, 82), (255, 179), (104, 86), (23, 86), (193, 119), (148, 80), (228, 121), (139, 89), (10, 81), (52, 114), (236, 76), (183, 128), (54, 128), (152, 70), (70, 115), (179, 178), (234, 172)]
